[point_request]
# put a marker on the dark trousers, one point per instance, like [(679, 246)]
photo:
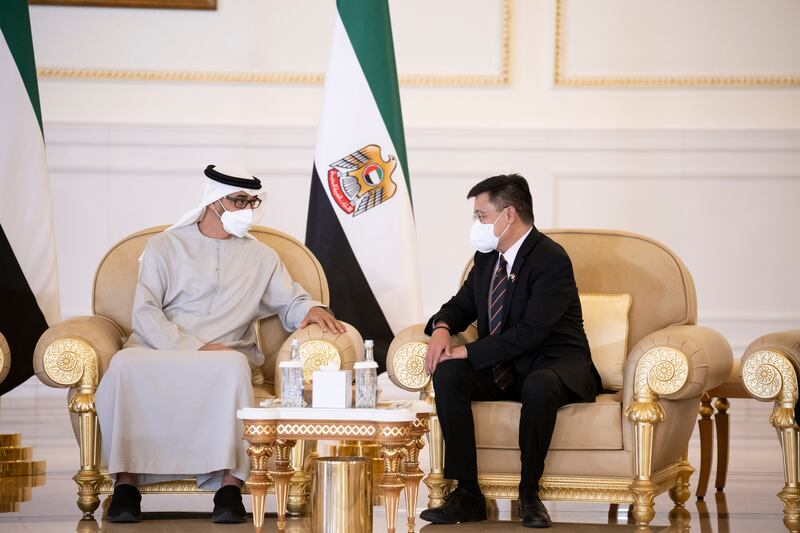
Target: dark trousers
[(458, 384)]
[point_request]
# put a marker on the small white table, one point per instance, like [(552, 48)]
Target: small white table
[(397, 427)]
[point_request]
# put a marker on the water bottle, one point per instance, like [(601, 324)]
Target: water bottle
[(292, 378), (367, 379)]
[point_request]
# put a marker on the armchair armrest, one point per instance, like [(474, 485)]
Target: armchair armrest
[(677, 362), (318, 348), (5, 358), (76, 352), (769, 372), (405, 360)]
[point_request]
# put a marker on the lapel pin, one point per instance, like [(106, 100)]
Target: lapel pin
[(512, 277)]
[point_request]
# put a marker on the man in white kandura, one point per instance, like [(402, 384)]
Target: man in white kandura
[(167, 403)]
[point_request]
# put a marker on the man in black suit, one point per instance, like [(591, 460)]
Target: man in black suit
[(531, 347)]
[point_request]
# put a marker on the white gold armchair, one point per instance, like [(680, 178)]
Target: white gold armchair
[(75, 354), (631, 444)]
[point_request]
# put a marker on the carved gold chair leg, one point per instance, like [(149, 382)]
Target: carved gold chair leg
[(770, 375), (645, 411), (706, 430), (722, 424), (88, 477), (783, 420), (437, 484), (643, 487)]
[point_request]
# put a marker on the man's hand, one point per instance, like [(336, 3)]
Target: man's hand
[(459, 352), (438, 347), (213, 346), (325, 320)]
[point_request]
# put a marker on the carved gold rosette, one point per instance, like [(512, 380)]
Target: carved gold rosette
[(667, 370), (316, 354), (409, 365), (767, 374), (67, 360)]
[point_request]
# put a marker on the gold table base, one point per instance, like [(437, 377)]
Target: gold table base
[(370, 450), (399, 443)]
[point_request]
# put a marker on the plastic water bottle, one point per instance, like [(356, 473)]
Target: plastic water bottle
[(367, 379), (292, 378)]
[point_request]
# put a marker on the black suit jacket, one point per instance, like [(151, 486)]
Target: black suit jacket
[(542, 319)]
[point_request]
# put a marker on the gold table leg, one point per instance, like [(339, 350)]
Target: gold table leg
[(259, 480), (411, 476), (281, 475), (391, 483)]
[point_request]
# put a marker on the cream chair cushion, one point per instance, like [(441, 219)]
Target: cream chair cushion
[(605, 320), (579, 426)]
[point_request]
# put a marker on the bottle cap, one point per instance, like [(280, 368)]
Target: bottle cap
[(295, 343), (369, 344)]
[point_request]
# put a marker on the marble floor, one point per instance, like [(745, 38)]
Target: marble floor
[(748, 504)]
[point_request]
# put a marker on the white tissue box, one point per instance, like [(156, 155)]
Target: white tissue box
[(332, 389)]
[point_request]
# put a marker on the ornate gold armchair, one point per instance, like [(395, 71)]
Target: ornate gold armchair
[(75, 353), (631, 445), (769, 370)]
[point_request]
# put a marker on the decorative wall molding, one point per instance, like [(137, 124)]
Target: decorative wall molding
[(284, 78), (562, 79), (158, 4), (432, 139)]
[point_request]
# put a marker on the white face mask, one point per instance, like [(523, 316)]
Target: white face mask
[(238, 222), (482, 236)]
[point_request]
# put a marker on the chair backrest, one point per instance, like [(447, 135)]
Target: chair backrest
[(608, 261), (115, 281)]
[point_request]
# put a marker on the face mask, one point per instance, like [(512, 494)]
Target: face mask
[(238, 222), (482, 236)]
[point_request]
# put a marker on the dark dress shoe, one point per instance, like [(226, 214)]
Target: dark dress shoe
[(532, 512), (228, 506), (126, 505), (459, 506)]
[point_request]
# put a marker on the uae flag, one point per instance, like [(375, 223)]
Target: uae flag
[(28, 270), (360, 220)]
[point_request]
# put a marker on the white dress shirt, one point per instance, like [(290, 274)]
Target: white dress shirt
[(511, 253)]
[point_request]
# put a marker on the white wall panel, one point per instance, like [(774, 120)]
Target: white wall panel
[(680, 38)]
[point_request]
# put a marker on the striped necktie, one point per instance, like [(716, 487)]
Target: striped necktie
[(502, 373)]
